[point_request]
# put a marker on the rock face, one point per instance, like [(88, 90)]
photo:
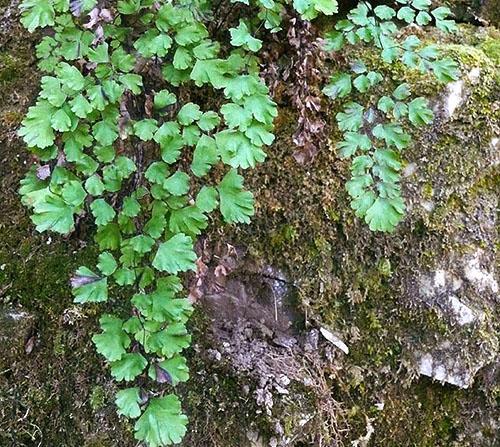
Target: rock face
[(309, 329), (484, 12), (464, 296), (255, 332)]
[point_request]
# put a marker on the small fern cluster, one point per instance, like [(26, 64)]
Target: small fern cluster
[(375, 134)]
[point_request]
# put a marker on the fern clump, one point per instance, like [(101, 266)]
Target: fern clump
[(147, 219), (376, 133)]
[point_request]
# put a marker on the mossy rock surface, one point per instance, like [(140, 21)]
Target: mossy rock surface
[(328, 270)]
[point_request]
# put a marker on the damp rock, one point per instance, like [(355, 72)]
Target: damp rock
[(444, 291), (463, 292), (454, 98), (457, 93), (451, 364), (478, 274), (255, 439)]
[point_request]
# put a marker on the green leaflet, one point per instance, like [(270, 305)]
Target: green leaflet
[(128, 367), (131, 207), (163, 99), (128, 401), (37, 14), (153, 43), (310, 9), (102, 211), (236, 204), (105, 132), (88, 287), (53, 214), (189, 220), (70, 77), (177, 184), (352, 142), (107, 263), (206, 200), (392, 134), (351, 118), (208, 121), (384, 12), (162, 423), (175, 255), (112, 342), (418, 112), (205, 156), (162, 306), (52, 91), (163, 342), (36, 128), (445, 70), (145, 129), (237, 150), (339, 87), (385, 214), (236, 116), (80, 106), (189, 113), (241, 36), (176, 368)]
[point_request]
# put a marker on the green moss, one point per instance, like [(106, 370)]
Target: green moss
[(11, 118), (284, 235), (491, 47), (10, 69), (384, 267), (427, 191), (97, 398), (426, 416), (58, 343)]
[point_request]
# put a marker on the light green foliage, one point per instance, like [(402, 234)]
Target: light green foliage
[(112, 342), (147, 218), (93, 288), (236, 204), (37, 129), (128, 401), (162, 423), (102, 211), (128, 367), (241, 37), (37, 14), (107, 263), (176, 368), (175, 255), (375, 134), (310, 9)]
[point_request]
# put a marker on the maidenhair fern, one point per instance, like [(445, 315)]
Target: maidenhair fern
[(117, 150), (375, 133), (119, 138)]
